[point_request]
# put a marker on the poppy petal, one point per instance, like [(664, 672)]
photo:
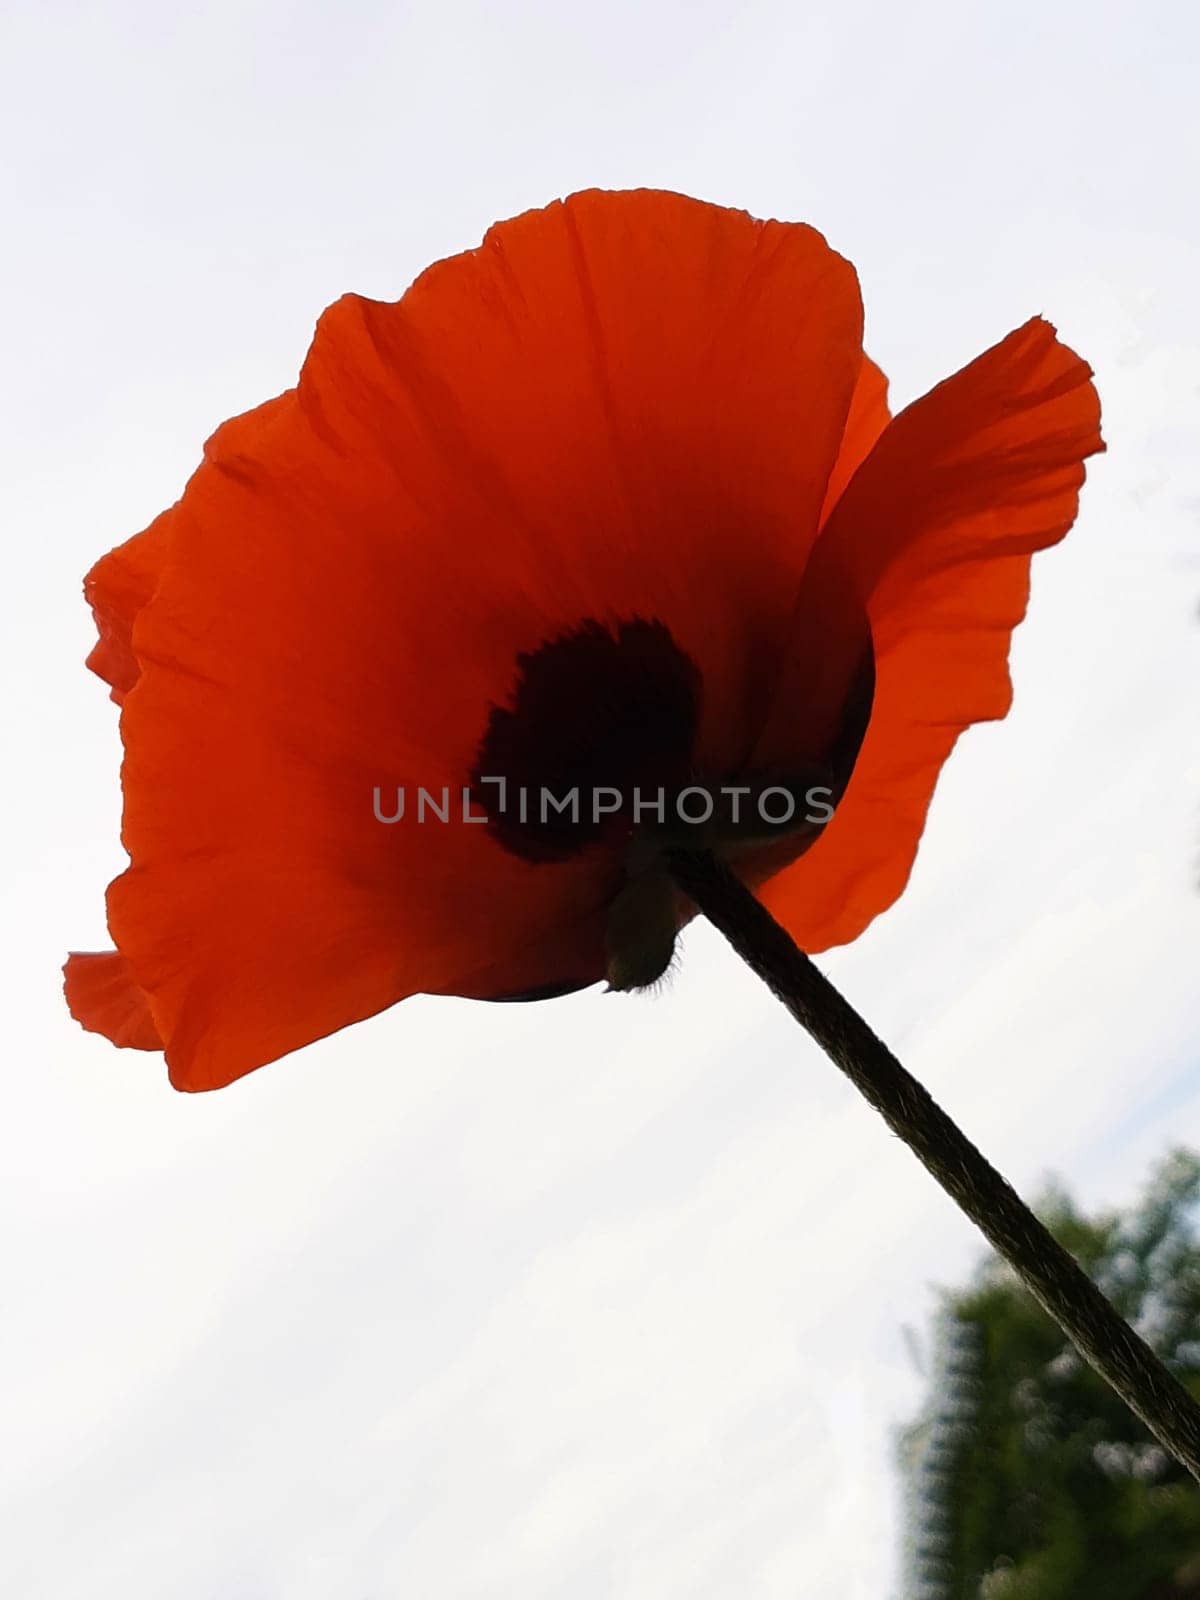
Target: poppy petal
[(936, 530), (103, 996), (622, 406), (117, 588), (867, 418)]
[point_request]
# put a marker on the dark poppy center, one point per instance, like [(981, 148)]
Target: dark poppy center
[(600, 719)]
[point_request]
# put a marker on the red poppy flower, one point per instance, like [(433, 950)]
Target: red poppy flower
[(612, 502)]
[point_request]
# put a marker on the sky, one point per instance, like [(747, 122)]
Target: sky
[(606, 1297)]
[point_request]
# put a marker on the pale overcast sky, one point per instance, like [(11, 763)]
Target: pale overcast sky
[(603, 1298)]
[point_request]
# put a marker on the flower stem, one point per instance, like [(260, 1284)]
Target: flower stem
[(1052, 1276)]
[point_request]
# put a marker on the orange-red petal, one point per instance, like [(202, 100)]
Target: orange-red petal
[(867, 418), (117, 588), (103, 996), (936, 531)]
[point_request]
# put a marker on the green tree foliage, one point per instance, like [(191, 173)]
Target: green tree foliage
[(1031, 1479)]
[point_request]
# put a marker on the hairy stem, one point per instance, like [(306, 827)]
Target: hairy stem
[(1052, 1276)]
